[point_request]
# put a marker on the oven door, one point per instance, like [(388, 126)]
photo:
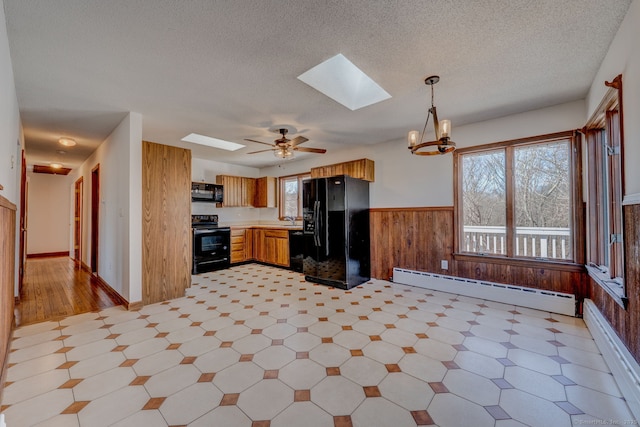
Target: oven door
[(211, 249)]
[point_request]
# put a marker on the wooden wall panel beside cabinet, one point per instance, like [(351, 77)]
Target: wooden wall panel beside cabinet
[(166, 222), (362, 168)]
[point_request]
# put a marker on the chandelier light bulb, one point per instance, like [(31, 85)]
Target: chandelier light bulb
[(413, 138), (445, 128)]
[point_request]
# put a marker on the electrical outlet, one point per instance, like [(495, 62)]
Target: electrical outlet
[(444, 264)]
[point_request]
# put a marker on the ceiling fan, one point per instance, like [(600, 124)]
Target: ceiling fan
[(284, 147)]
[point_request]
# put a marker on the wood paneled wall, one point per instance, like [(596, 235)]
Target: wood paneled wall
[(625, 322), (166, 222), (413, 238), (7, 277), (419, 238)]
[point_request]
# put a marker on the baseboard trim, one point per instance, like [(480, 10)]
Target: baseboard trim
[(85, 267), (48, 254), (113, 294), (134, 306), (624, 367)]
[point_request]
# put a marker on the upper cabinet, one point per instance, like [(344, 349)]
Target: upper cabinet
[(240, 191), (266, 194), (362, 169)]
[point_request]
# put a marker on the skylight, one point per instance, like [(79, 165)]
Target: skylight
[(345, 83), (212, 142)]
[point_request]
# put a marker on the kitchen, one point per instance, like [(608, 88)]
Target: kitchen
[(279, 241)]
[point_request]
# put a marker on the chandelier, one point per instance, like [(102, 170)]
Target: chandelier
[(442, 143)]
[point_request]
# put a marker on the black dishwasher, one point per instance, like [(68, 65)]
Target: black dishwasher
[(296, 250)]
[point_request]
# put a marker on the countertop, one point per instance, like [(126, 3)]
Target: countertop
[(269, 226)]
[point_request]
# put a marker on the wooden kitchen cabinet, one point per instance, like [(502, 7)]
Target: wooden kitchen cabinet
[(241, 244), (266, 192), (276, 243), (271, 246), (239, 191), (259, 247), (362, 169), (267, 245)]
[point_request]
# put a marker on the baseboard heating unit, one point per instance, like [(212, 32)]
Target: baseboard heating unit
[(555, 302)]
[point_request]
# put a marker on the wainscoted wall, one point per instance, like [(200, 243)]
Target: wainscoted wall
[(413, 238), (625, 322), (420, 238), (7, 268)]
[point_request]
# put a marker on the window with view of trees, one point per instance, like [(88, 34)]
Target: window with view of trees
[(291, 196), (604, 141), (516, 198)]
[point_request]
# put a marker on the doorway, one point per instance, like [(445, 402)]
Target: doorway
[(77, 223), (23, 223), (95, 217)]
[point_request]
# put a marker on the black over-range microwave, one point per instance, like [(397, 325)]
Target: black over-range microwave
[(204, 192)]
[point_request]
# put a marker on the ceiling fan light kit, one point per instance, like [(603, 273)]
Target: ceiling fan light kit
[(442, 129), (284, 147)]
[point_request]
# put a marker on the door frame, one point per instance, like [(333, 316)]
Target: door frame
[(95, 217), (77, 222), (23, 222)]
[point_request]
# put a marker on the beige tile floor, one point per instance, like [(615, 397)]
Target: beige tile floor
[(259, 346)]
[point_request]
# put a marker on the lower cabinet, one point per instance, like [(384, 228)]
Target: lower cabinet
[(276, 247), (270, 246), (241, 245)]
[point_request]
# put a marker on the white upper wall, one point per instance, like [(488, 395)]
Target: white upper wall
[(49, 216), (623, 58), (405, 180), (120, 210), (10, 129)]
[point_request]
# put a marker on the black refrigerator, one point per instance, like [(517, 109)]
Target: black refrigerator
[(336, 231)]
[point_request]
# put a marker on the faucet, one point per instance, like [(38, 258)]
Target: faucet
[(292, 219)]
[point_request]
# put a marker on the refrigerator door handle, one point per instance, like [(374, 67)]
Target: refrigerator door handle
[(316, 223)]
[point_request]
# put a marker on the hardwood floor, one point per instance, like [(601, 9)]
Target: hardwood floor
[(54, 288)]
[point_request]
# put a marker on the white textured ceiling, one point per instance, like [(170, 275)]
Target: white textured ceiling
[(228, 69)]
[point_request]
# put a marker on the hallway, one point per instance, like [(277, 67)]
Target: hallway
[(54, 288)]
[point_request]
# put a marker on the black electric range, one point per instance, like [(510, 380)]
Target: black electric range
[(211, 244)]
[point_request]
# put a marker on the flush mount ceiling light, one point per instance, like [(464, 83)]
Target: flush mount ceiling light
[(345, 83), (212, 142), (442, 144), (55, 165), (67, 142)]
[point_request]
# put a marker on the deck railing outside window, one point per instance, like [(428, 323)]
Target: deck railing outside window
[(534, 242)]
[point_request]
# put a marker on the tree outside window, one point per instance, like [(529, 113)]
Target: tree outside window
[(291, 196), (515, 199)]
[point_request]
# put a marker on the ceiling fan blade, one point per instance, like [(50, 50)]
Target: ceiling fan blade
[(298, 140), (261, 151), (310, 150), (259, 142)]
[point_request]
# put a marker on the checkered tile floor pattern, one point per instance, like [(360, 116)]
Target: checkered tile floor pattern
[(259, 346)]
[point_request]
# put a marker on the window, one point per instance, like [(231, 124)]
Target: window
[(516, 199), (291, 195), (604, 141)]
